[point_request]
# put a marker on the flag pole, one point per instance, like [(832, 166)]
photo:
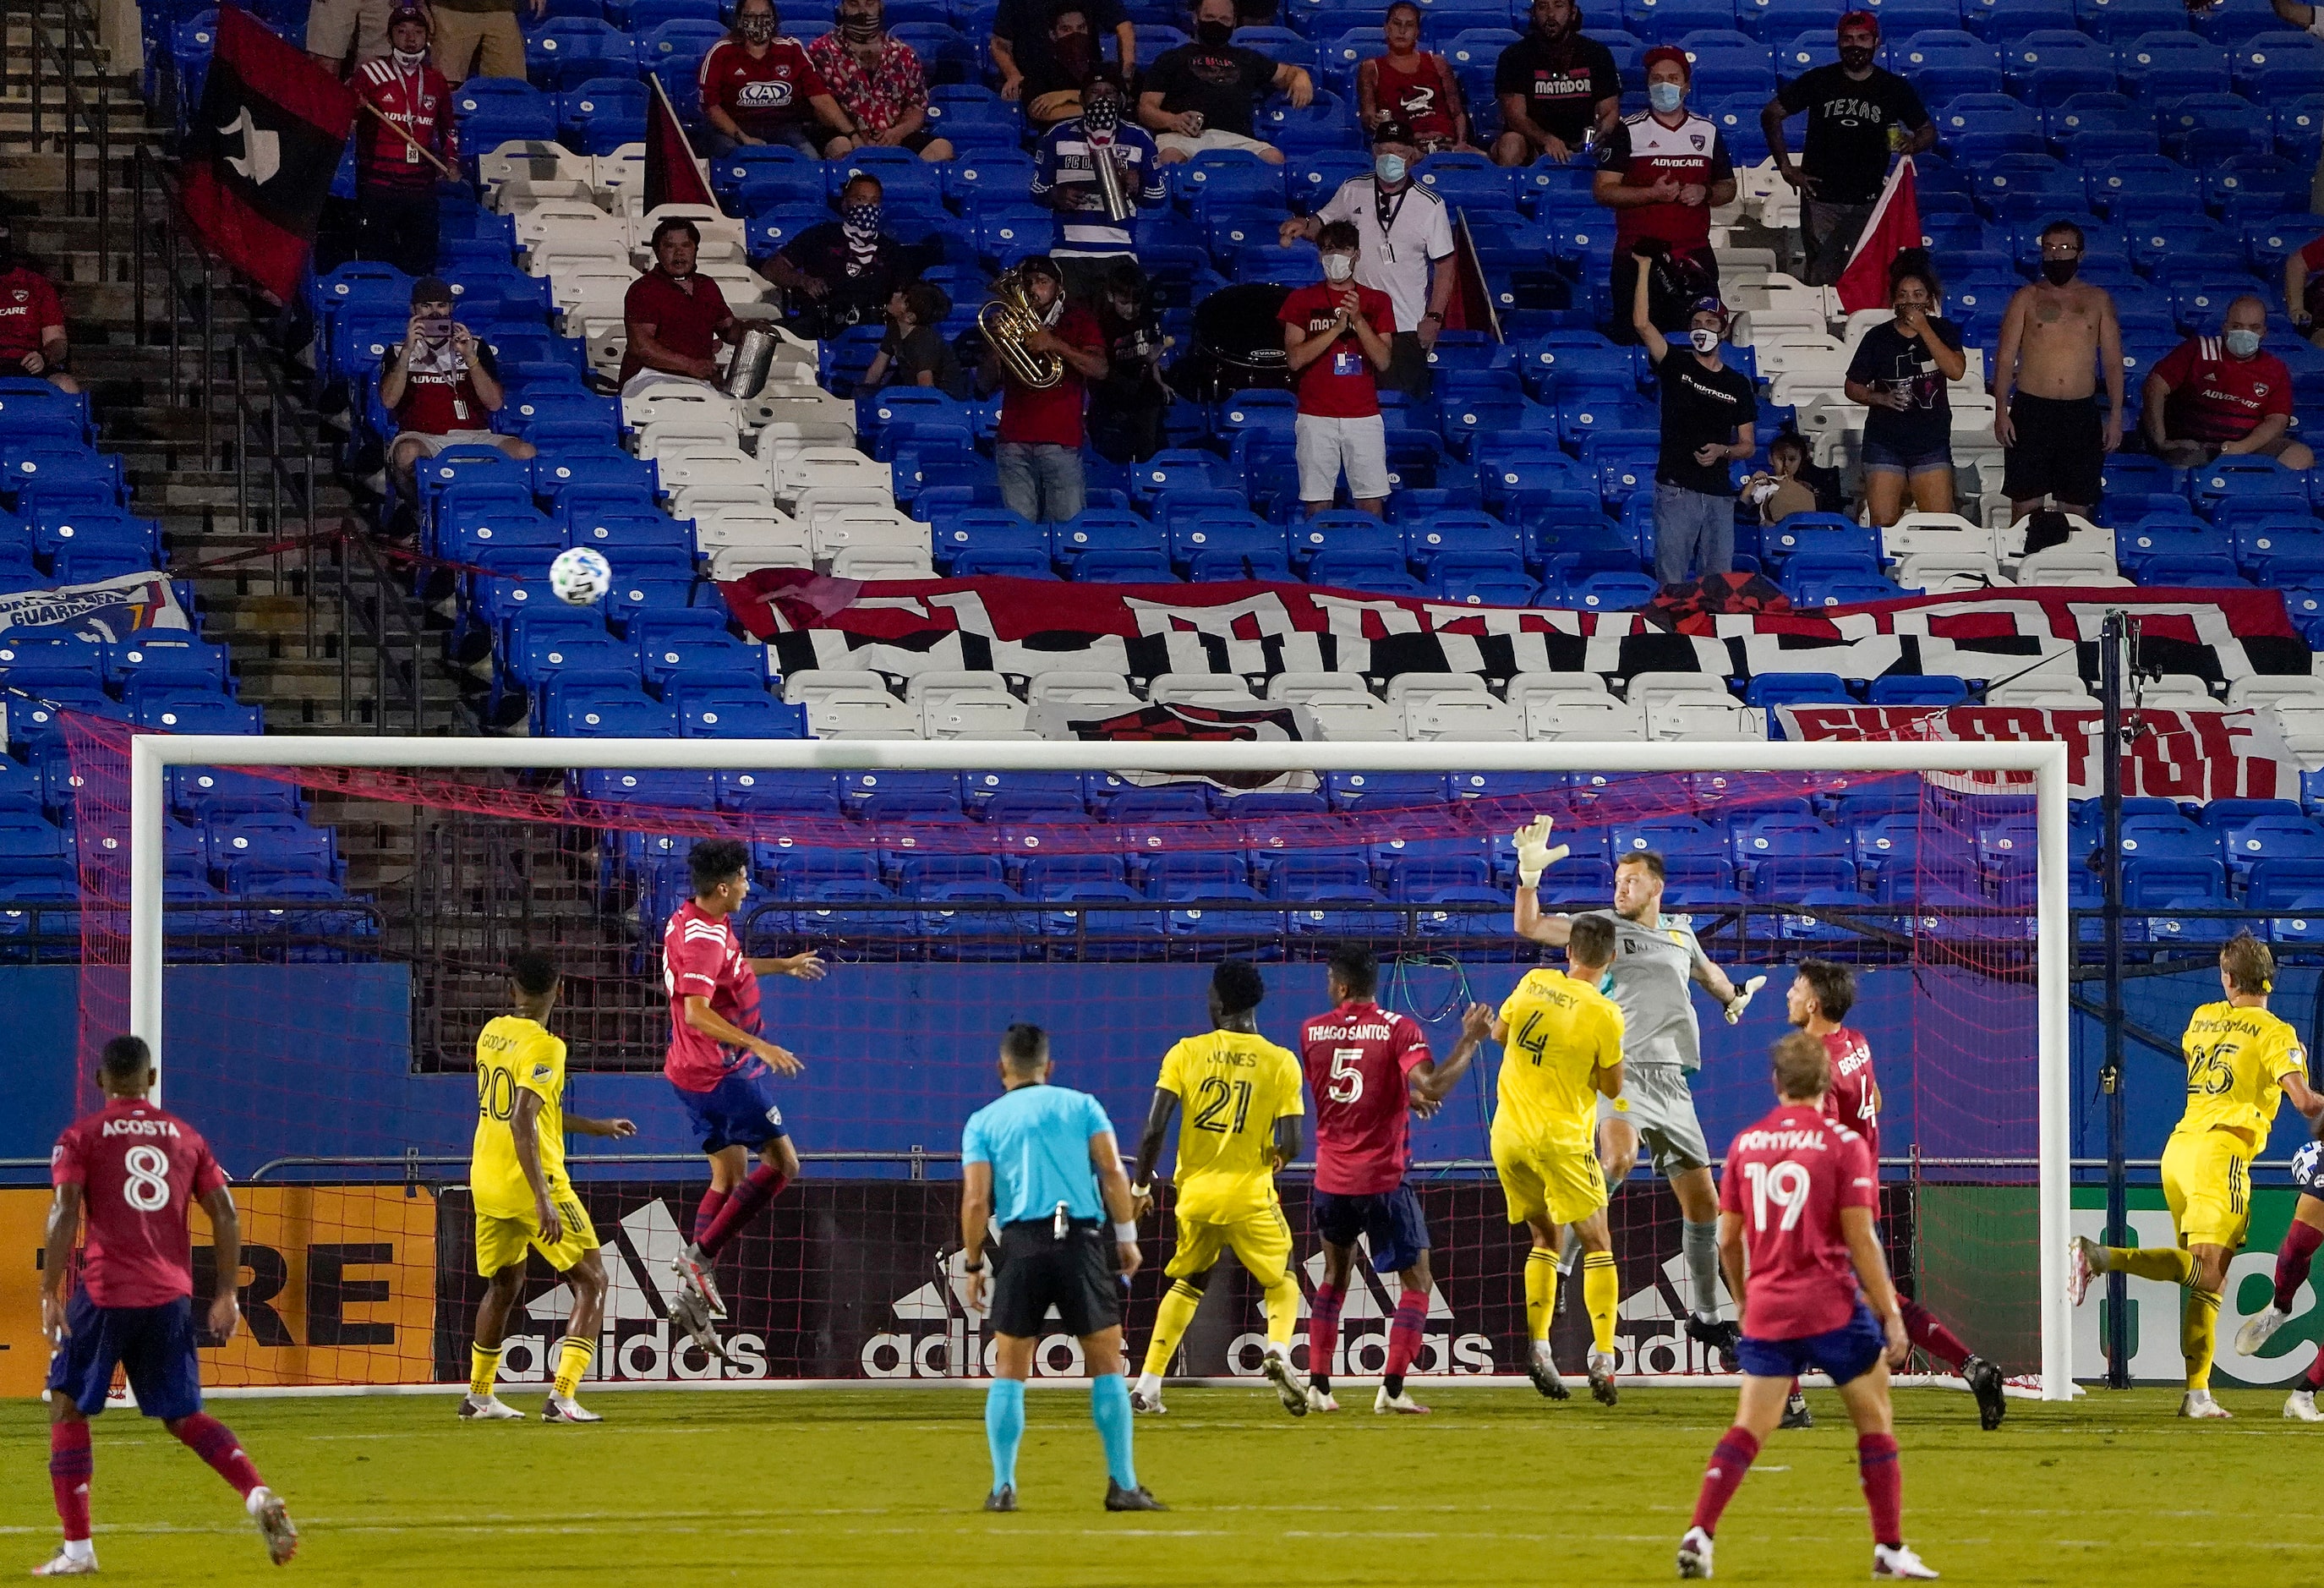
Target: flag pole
[(448, 173)]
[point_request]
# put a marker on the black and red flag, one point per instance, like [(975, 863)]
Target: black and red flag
[(671, 175), (263, 151)]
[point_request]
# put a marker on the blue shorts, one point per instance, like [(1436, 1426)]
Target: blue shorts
[(1845, 1353), (1390, 1220), (738, 1111), (1880, 458), (155, 1345)]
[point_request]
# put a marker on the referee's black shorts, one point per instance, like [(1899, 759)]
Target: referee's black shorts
[(1037, 1272)]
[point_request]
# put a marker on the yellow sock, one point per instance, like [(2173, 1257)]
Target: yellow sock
[(1601, 1293), (2200, 1335), (1170, 1321), (1541, 1292), (1282, 1310), (573, 1356), (484, 1367), (2173, 1263)]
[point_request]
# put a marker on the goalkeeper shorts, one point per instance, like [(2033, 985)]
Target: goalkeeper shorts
[(1658, 1103)]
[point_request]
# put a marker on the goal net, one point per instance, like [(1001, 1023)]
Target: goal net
[(313, 931)]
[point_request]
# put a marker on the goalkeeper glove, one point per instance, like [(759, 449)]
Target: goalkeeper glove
[(1535, 854), (1743, 998)]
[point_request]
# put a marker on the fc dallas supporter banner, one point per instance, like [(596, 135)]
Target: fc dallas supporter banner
[(2172, 755), (906, 626)]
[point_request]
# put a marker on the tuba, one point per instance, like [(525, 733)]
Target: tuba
[(1108, 171), (1006, 322)]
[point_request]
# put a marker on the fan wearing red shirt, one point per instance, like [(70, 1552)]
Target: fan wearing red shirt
[(1820, 996), (1800, 1241), (1336, 339), (1368, 1069), (1662, 173), (758, 88), (2222, 397), (134, 1171), (31, 320), (2304, 295), (674, 316), (1037, 448), (723, 1070)]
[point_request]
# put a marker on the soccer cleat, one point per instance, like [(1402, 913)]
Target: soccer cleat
[(1320, 1399), (62, 1564), (1117, 1498), (1984, 1383), (266, 1508), (1542, 1368), (1899, 1564), (695, 1271), (1796, 1414), (1276, 1365), (1404, 1404), (2198, 1403), (1001, 1499), (492, 1408), (1601, 1364), (2258, 1331), (1721, 1334), (2078, 1268), (560, 1408), (1148, 1402), (1694, 1554), (690, 1313), (2301, 1407)]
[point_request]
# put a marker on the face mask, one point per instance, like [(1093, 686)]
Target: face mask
[(1701, 340), (861, 30), (1854, 61), (1665, 97), (1214, 35), (1101, 116), (758, 29), (1338, 267), (410, 60), (861, 220), (1390, 169), (2242, 344), (2061, 270)]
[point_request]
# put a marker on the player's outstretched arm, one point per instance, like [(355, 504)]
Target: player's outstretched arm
[(804, 968), (225, 1245), (1734, 999), (1113, 1185), (1158, 1114), (1871, 1275), (1430, 1081), (2306, 1099), (700, 1016), (524, 1129), (582, 1125), (1536, 855), (63, 1235), (975, 1220)]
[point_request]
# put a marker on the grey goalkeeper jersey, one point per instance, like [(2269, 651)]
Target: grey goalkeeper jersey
[(1651, 982)]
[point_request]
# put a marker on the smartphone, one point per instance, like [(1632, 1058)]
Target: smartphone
[(437, 329)]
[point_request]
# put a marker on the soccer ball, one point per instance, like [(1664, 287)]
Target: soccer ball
[(580, 576)]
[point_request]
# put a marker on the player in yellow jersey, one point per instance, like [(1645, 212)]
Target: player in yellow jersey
[(1561, 1050), (523, 1198), (2241, 1061), (1242, 1101)]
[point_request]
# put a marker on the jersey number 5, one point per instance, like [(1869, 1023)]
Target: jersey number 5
[(1785, 1185), (1216, 1094), (1347, 1083)]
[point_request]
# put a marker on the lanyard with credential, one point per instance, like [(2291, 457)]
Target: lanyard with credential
[(1386, 213)]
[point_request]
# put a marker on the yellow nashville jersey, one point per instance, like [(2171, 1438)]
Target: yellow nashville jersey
[(516, 1054), (2236, 1060), (1232, 1085), (1560, 1032)]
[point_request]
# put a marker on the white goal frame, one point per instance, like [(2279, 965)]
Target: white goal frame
[(153, 754)]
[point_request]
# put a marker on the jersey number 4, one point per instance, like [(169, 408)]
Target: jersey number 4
[(1217, 1095), (1785, 1185)]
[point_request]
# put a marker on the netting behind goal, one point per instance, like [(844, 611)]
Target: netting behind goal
[(319, 1026)]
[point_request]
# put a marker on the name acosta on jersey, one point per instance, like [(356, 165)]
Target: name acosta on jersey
[(139, 1128)]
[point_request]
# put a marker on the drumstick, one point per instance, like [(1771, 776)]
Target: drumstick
[(384, 120)]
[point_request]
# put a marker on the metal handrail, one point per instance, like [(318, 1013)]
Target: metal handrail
[(79, 40)]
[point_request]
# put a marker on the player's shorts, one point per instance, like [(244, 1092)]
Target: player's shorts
[(2206, 1181), (1658, 1103), (1549, 1185), (502, 1243), (153, 1344), (1389, 1221), (1037, 1272), (1261, 1243), (738, 1111), (1845, 1353), (2308, 1169)]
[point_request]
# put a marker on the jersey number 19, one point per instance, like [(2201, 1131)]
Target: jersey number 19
[(1785, 1185)]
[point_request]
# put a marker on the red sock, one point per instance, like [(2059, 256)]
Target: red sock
[(1404, 1332), (2292, 1260), (1884, 1486), (214, 1443), (1730, 1458), (71, 1464), (2315, 1379), (1324, 1329), (706, 1215), (1921, 1326), (757, 1189)]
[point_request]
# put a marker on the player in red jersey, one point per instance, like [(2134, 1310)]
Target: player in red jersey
[(133, 1171), (1820, 996), (1799, 1242), (1368, 1069), (723, 1070)]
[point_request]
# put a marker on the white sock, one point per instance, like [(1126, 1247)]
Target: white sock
[(255, 1501), (1149, 1384), (80, 1549), (1278, 1350), (1541, 1351)]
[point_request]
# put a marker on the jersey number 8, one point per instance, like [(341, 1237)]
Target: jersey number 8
[(148, 1187), (1785, 1185)]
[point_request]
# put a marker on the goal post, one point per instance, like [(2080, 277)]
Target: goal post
[(2045, 764)]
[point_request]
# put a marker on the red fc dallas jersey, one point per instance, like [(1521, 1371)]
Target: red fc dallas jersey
[(29, 306), (702, 957), (1357, 1059), (1853, 1099), (2216, 398), (761, 95), (1788, 1178), (421, 103), (139, 1170), (1644, 152)]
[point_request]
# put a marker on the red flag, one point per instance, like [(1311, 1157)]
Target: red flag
[(671, 175), (1894, 226), (1470, 306), (261, 153)]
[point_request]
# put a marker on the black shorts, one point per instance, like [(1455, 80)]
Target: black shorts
[(2060, 450), (1037, 1272)]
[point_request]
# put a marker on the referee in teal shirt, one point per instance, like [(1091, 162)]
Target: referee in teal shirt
[(1042, 1156)]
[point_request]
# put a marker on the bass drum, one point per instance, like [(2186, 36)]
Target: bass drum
[(1238, 344)]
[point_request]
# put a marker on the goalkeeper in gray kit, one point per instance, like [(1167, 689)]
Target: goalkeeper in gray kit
[(1654, 960)]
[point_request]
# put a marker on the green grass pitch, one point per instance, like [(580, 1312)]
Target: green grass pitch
[(881, 1487)]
